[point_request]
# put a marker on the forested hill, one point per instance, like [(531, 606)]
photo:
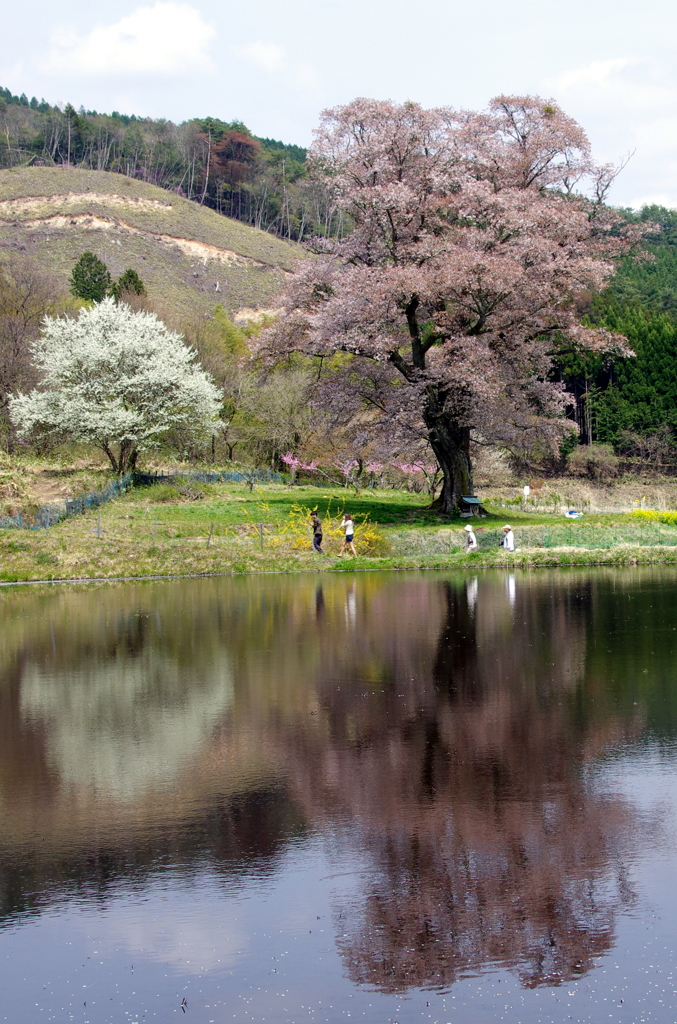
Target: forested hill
[(623, 401), (219, 164), (651, 285)]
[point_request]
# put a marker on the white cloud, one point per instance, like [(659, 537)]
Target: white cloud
[(621, 86), (193, 931), (267, 56), (596, 79), (628, 105), (272, 58), (165, 39)]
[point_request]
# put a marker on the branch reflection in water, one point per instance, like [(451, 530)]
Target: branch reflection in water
[(443, 726), (490, 845)]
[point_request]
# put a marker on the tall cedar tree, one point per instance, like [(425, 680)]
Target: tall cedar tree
[(471, 243), (635, 394)]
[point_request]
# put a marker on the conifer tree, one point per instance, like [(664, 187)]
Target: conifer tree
[(90, 278), (128, 283)]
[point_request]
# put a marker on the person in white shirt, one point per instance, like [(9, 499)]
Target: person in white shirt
[(508, 541), (348, 526), (470, 540)]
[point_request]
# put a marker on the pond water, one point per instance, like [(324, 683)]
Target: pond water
[(390, 797)]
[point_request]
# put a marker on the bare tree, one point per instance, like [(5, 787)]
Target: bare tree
[(27, 295)]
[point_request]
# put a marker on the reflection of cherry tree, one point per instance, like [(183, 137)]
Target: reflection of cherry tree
[(467, 788)]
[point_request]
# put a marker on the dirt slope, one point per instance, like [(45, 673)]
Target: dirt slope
[(189, 257)]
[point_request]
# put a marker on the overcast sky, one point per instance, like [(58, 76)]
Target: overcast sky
[(275, 65)]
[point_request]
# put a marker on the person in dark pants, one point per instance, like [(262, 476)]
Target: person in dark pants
[(316, 524)]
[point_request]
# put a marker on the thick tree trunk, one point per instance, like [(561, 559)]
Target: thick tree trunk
[(451, 445)]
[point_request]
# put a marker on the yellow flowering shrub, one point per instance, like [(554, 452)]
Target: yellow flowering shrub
[(369, 538)]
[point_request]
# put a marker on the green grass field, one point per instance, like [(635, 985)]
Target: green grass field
[(233, 505), (154, 531)]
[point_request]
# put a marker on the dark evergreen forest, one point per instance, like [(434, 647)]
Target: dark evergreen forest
[(631, 403)]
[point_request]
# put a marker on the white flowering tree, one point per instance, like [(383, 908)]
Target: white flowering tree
[(119, 380)]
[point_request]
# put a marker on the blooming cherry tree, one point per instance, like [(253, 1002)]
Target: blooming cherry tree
[(119, 380), (474, 233)]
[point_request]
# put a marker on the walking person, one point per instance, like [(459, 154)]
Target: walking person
[(470, 540), (316, 526), (349, 527), (508, 541)]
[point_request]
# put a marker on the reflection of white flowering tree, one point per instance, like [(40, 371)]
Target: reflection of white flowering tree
[(119, 380), (130, 725)]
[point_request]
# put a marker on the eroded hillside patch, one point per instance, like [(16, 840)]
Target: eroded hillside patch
[(33, 204), (189, 246)]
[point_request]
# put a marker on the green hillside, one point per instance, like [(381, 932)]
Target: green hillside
[(189, 257)]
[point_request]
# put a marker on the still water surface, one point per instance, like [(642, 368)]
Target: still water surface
[(404, 798)]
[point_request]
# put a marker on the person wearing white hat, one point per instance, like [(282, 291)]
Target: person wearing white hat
[(508, 541), (470, 540)]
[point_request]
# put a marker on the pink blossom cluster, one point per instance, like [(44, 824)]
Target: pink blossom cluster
[(295, 463), (411, 469)]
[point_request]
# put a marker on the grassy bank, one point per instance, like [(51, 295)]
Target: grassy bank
[(225, 528), (523, 559)]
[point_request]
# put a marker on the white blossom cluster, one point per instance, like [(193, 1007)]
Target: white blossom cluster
[(118, 379)]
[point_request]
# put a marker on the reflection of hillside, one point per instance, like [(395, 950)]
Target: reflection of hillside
[(447, 721)]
